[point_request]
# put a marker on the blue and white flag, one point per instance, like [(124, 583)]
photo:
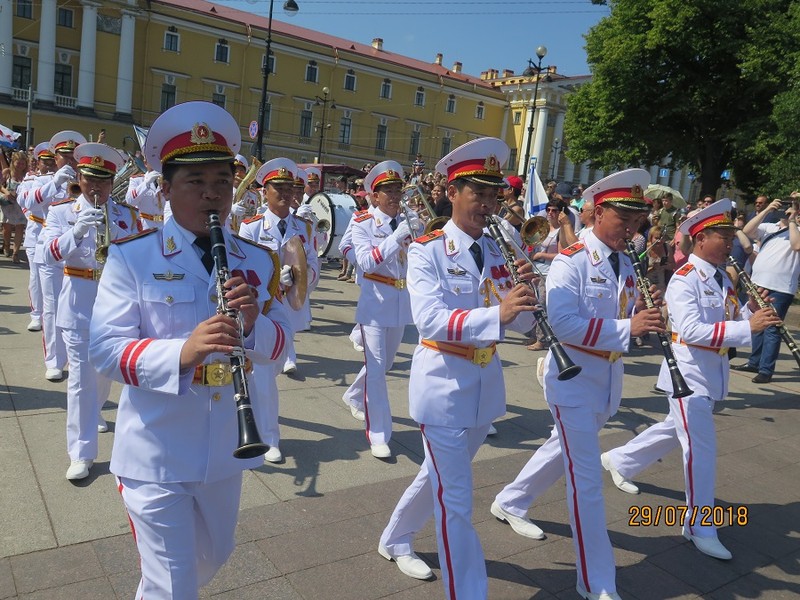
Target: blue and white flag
[(8, 138), (535, 196)]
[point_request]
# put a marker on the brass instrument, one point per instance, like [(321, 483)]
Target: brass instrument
[(250, 444), (752, 290), (134, 166), (407, 212), (566, 368), (534, 231), (102, 239), (73, 189), (241, 190), (679, 387), (293, 253), (415, 194)]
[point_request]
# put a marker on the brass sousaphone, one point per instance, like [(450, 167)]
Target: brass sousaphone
[(294, 255)]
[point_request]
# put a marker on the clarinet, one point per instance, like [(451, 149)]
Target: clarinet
[(679, 387), (566, 368), (752, 290), (250, 444)]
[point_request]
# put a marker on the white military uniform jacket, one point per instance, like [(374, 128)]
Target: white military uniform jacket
[(60, 246), (707, 320), (589, 307), (148, 199), (377, 251), (153, 293), (453, 302), (35, 198)]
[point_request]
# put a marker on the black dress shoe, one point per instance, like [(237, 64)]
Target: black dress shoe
[(746, 367), (762, 378)]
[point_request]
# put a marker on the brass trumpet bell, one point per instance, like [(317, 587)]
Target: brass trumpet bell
[(436, 223), (534, 231)]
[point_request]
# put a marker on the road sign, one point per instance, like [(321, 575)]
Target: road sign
[(726, 174), (253, 129), (663, 172)]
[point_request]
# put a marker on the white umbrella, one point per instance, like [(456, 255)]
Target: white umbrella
[(656, 190)]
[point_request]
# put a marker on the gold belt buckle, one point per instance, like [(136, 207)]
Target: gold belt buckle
[(614, 356), (483, 356), (96, 273), (218, 375), (722, 351), (400, 284)]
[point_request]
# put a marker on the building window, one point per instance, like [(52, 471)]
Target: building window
[(218, 99), (222, 52), (380, 138), (167, 96), (64, 17), (479, 111), (413, 149), (517, 117), (271, 62), (305, 123), (386, 89), (419, 97), (350, 80), (172, 42), (25, 9), (451, 104), (446, 144), (63, 80), (345, 130), (312, 72), (512, 159), (21, 75)]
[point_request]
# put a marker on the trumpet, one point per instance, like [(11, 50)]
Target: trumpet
[(752, 290), (102, 239), (566, 368), (73, 189), (679, 387), (415, 194)]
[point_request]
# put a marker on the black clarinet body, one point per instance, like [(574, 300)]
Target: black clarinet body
[(752, 290), (679, 387), (566, 368), (250, 444)]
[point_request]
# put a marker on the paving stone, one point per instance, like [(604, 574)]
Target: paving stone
[(91, 589), (7, 587), (55, 568)]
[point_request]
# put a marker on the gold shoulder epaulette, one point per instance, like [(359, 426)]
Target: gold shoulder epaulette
[(358, 218), (424, 239), (135, 236), (126, 205), (247, 241), (64, 201), (253, 219), (685, 269), (573, 249)]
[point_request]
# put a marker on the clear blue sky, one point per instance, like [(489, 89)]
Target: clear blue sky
[(499, 34)]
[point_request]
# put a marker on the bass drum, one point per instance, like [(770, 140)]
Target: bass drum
[(333, 212)]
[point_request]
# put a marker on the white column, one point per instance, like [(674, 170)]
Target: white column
[(675, 180), (686, 188), (558, 134), (6, 49), (125, 65), (45, 80), (654, 173), (583, 176), (538, 140), (88, 52), (569, 170)]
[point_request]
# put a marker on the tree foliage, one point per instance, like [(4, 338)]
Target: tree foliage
[(694, 80)]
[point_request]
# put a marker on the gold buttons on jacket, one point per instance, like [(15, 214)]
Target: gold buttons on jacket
[(169, 299), (216, 396)]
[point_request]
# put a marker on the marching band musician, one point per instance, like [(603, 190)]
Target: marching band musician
[(144, 192), (274, 228), (594, 310), (156, 330), (249, 202), (379, 243), (313, 175), (74, 228), (463, 300), (706, 320)]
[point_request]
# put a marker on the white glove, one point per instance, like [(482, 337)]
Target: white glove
[(402, 232), (237, 210), (88, 218), (286, 276), (305, 212), (63, 175), (151, 177), (414, 224)]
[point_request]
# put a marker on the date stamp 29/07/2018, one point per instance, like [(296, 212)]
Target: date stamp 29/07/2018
[(697, 516)]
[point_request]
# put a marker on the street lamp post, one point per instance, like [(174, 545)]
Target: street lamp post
[(322, 125), (541, 52), (554, 160), (290, 8)]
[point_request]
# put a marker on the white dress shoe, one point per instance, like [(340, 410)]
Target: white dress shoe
[(380, 450), (102, 426), (492, 430), (410, 564), (601, 596), (79, 469), (273, 455), (709, 545), (626, 485), (522, 525), (35, 325), (289, 367), (357, 413), (54, 374), (358, 347)]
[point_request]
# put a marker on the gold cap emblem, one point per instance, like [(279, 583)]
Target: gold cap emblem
[(201, 134), (97, 160), (636, 191), (491, 163)]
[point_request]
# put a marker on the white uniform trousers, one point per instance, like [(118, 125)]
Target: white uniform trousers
[(184, 533), (87, 391), (51, 277), (650, 445), (354, 395), (573, 448), (265, 401), (443, 488), (34, 286), (380, 347)]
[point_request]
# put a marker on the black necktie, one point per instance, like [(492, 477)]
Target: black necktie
[(204, 244), (614, 260), (393, 224), (718, 278), (475, 250), (282, 226)]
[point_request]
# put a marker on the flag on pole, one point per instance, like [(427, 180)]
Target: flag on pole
[(8, 138), (535, 196)]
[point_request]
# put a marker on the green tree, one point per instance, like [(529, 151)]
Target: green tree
[(690, 79)]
